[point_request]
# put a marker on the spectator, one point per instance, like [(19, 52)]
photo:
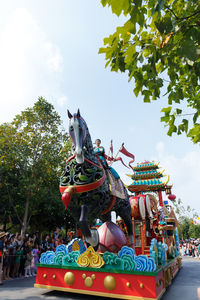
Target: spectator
[(28, 264), (36, 238), (35, 253), (6, 265), (45, 243), (25, 248), (2, 235), (18, 255), (59, 240)]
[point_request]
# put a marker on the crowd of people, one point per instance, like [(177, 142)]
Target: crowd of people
[(190, 247), (19, 255)]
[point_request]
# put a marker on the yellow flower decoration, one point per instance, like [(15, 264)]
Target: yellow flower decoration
[(90, 259)]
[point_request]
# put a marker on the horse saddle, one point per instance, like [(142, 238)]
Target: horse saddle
[(116, 186)]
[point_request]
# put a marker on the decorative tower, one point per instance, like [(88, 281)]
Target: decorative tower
[(148, 177)]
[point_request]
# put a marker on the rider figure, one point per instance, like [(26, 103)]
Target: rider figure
[(100, 151)]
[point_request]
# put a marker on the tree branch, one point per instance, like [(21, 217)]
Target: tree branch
[(194, 14), (172, 12)]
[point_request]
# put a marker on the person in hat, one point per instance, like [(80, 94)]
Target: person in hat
[(2, 235)]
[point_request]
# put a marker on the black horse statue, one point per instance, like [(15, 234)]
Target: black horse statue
[(85, 185)]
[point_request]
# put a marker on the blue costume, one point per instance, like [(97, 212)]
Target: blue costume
[(100, 151)]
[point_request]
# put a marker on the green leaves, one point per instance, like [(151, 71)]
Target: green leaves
[(159, 47), (117, 6), (30, 156), (83, 178)]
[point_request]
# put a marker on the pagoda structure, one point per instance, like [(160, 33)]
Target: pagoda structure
[(148, 177)]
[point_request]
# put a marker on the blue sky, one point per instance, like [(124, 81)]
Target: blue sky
[(50, 48)]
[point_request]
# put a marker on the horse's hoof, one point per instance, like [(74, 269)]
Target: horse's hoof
[(94, 239)]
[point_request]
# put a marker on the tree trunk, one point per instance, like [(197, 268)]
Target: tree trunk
[(24, 224)]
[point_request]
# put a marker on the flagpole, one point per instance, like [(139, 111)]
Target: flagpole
[(116, 155), (109, 149)]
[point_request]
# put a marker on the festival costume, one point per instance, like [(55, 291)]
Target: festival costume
[(100, 151)]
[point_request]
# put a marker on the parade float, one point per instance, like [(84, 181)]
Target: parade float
[(137, 257)]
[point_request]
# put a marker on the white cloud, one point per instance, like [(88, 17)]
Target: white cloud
[(61, 101), (54, 58), (184, 174), (29, 64)]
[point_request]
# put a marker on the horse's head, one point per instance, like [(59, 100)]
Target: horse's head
[(77, 132)]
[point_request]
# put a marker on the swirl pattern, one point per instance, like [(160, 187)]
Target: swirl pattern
[(70, 258), (127, 251), (58, 258), (112, 261), (61, 248), (142, 263), (90, 259), (47, 258), (129, 263)]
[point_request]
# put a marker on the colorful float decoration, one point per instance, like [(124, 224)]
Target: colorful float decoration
[(107, 261)]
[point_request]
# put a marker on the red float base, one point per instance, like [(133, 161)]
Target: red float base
[(112, 283)]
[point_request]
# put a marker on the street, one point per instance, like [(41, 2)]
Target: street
[(184, 287)]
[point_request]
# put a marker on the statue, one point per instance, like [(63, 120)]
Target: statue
[(85, 184)]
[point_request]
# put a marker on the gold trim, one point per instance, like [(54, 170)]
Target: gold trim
[(167, 180), (118, 296)]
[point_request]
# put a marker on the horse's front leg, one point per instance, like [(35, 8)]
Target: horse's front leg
[(91, 235)]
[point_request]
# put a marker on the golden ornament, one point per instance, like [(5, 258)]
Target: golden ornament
[(88, 282), (69, 278), (109, 282), (90, 259)]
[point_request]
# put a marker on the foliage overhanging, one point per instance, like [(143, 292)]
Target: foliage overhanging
[(159, 48)]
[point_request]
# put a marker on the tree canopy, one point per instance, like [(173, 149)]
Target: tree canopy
[(159, 48), (188, 227), (32, 148)]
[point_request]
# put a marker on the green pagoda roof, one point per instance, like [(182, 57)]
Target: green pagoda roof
[(148, 174), (146, 166), (147, 177), (147, 185)]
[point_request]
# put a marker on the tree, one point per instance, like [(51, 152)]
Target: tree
[(158, 46), (32, 147), (187, 228)]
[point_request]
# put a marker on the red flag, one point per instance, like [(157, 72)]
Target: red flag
[(119, 158), (125, 152)]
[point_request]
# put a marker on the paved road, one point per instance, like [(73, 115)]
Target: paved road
[(184, 287), (186, 282)]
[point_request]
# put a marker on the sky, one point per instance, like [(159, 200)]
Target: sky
[(50, 48)]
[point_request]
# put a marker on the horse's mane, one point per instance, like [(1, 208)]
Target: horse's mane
[(88, 143)]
